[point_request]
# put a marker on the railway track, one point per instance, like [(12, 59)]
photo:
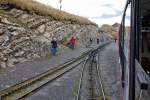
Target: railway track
[(90, 85), (29, 86), (25, 88), (99, 78)]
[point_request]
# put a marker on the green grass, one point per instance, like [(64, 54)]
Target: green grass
[(2, 11), (41, 9)]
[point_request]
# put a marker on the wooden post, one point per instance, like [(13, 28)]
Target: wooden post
[(60, 5)]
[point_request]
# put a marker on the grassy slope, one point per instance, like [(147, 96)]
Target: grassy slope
[(41, 9)]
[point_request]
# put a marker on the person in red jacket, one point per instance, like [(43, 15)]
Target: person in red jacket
[(72, 42)]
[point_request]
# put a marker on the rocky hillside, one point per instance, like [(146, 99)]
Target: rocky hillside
[(26, 30), (112, 30)]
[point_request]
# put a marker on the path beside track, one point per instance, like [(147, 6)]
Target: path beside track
[(27, 70)]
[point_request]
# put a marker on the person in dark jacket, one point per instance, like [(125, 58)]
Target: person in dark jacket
[(97, 40), (54, 46), (90, 40)]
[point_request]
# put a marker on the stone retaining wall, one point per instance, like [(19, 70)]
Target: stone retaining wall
[(25, 36)]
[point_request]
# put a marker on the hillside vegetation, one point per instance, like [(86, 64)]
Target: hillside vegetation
[(112, 30), (41, 9)]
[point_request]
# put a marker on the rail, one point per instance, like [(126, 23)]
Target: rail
[(26, 87), (99, 78), (80, 83), (39, 80), (92, 56)]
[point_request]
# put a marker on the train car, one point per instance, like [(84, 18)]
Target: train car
[(134, 50)]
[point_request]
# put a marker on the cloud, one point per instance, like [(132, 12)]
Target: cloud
[(118, 13), (110, 15), (107, 5), (128, 17), (93, 9), (110, 21)]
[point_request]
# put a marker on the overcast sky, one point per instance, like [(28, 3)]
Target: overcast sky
[(99, 11)]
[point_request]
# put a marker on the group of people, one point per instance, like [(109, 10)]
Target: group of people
[(97, 41), (70, 44)]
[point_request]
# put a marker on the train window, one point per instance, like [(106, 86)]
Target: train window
[(148, 43), (145, 50), (127, 30)]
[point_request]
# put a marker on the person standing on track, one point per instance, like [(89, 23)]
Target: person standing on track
[(54, 46), (97, 40)]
